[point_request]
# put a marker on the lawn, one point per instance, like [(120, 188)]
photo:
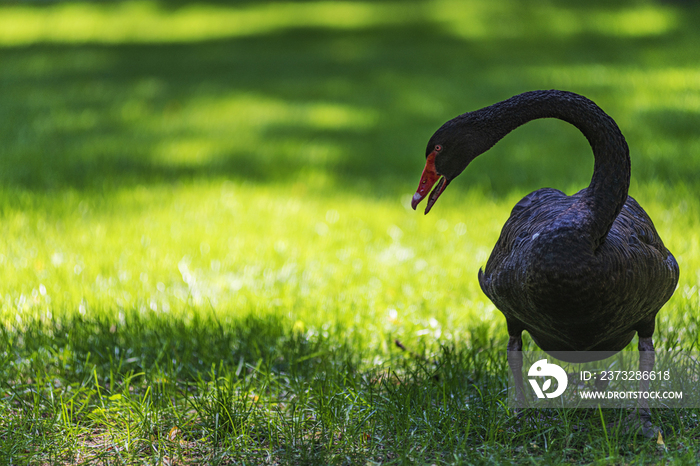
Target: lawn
[(207, 248)]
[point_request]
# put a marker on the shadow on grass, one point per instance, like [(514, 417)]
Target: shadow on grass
[(253, 389), (183, 347), (356, 106)]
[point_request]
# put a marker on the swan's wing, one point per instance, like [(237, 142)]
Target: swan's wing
[(637, 229), (528, 217), (645, 271)]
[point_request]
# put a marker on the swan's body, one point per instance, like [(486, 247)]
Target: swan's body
[(568, 295), (579, 273)]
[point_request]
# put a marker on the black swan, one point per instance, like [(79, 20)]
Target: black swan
[(579, 273)]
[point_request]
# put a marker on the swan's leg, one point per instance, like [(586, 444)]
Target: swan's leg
[(640, 421), (515, 362), (646, 365)]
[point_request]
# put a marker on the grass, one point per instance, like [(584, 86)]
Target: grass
[(206, 243)]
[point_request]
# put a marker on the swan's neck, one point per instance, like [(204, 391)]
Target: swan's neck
[(607, 193)]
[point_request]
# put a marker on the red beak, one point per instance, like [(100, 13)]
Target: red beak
[(429, 177)]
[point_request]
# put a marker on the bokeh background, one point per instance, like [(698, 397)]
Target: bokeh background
[(260, 117)]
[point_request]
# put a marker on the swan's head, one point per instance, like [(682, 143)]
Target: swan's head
[(449, 151)]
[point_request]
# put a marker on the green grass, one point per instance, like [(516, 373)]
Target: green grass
[(206, 243)]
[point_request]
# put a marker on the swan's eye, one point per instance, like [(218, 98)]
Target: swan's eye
[(438, 148)]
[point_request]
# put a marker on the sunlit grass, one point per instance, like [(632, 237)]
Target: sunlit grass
[(475, 20), (337, 259), (206, 241), (147, 21), (654, 89), (164, 251)]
